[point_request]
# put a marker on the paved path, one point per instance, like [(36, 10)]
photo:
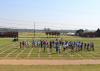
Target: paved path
[(48, 62)]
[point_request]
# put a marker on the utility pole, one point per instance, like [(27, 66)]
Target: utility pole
[(34, 29)]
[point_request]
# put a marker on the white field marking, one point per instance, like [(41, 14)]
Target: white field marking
[(10, 53), (49, 53), (88, 54), (80, 55), (5, 47), (17, 44), (71, 55), (2, 48), (96, 53), (5, 50), (66, 52), (5, 44), (39, 52), (92, 54), (20, 53), (30, 53), (59, 54), (38, 55)]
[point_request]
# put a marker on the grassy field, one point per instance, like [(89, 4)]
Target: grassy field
[(11, 50), (50, 68)]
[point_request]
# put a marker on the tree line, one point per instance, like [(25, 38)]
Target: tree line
[(82, 33)]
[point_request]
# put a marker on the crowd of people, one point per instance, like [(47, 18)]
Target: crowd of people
[(24, 44), (59, 45)]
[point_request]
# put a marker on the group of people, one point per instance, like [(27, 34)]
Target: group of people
[(24, 44), (59, 45)]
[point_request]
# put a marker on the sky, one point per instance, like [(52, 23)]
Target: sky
[(53, 14)]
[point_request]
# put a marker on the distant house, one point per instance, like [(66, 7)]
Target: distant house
[(89, 34), (52, 33), (71, 34), (9, 34)]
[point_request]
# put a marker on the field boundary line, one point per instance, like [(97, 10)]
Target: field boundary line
[(10, 53), (5, 50), (20, 53), (49, 53), (5, 44), (30, 52), (80, 55), (93, 53), (39, 51), (5, 47), (90, 55)]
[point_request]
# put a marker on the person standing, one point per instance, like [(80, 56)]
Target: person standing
[(23, 44), (27, 44), (85, 46), (20, 44), (33, 44), (64, 46), (92, 46), (88, 46), (41, 43), (44, 45), (50, 43), (57, 45)]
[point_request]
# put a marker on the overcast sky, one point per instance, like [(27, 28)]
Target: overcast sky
[(54, 14)]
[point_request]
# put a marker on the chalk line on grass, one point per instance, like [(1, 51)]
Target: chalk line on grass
[(5, 47), (30, 53), (39, 52), (10, 53), (20, 53), (5, 50)]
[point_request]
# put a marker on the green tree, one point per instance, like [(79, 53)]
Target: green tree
[(97, 33), (79, 32)]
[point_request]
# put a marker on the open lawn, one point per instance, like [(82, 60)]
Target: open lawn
[(11, 50)]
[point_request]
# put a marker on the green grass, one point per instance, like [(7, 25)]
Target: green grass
[(50, 68), (9, 50), (13, 49)]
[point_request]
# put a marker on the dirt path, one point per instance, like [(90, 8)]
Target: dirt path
[(48, 62)]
